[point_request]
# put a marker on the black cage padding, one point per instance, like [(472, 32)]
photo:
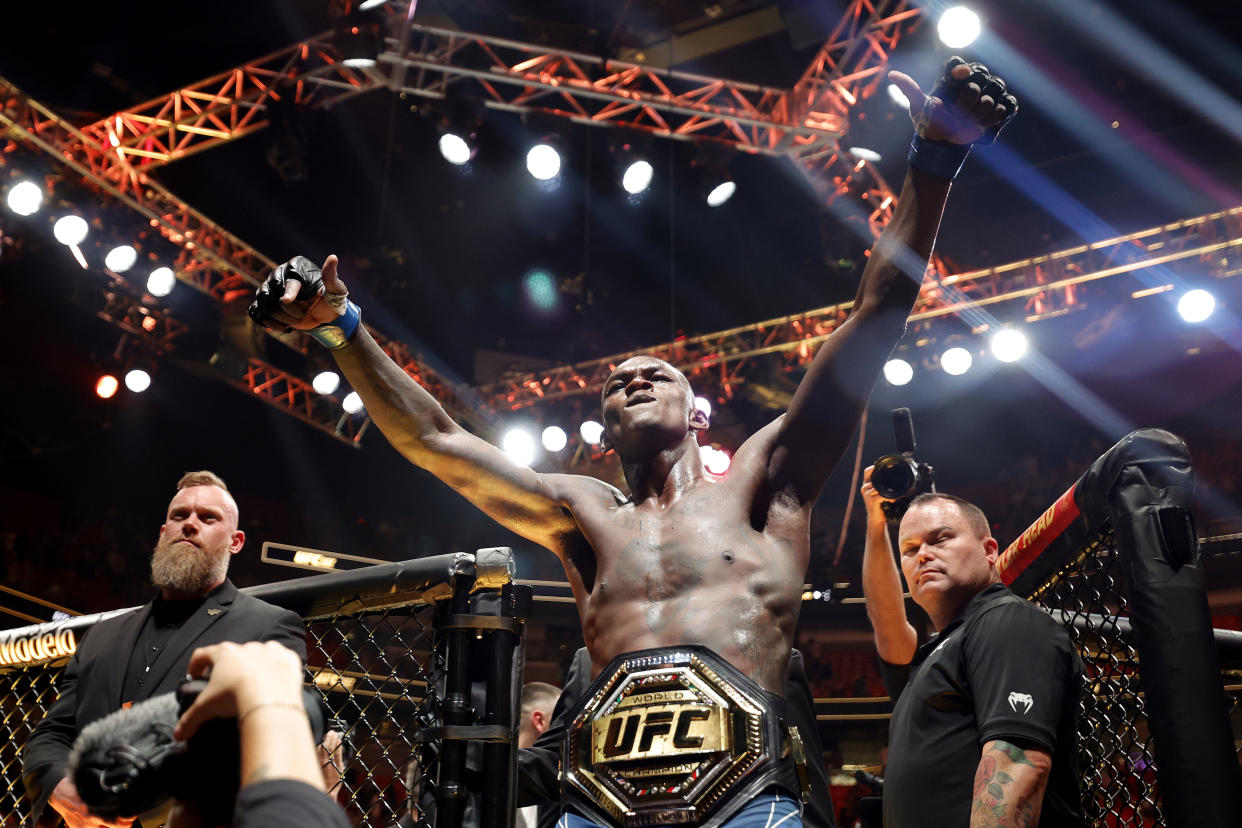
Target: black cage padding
[(1130, 514), (1150, 492)]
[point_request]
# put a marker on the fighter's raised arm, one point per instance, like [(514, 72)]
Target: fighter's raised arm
[(968, 106), (299, 295)]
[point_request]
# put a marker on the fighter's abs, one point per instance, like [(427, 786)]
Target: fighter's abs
[(687, 575)]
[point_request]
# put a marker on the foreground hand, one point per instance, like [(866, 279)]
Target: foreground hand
[(873, 500), (242, 676), (296, 295), (66, 802), (331, 753), (968, 105)]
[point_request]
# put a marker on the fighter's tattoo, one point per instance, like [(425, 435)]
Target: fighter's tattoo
[(997, 801)]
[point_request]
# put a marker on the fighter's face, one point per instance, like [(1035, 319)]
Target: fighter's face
[(945, 562), (196, 540), (646, 394)]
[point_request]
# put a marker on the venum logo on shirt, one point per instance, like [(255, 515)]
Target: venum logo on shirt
[(1021, 700)]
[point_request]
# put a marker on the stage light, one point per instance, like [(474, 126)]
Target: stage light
[(1196, 305), (519, 445), (359, 44), (137, 380), (714, 460), (721, 193), (120, 258), (554, 438), (703, 404), (455, 149), (367, 5), (543, 161), (864, 154), (897, 96), (1009, 345), (352, 403), (106, 387), (161, 282), (958, 27), (540, 288), (592, 432), (25, 198), (637, 177), (898, 372), (70, 230), (326, 382), (956, 361)]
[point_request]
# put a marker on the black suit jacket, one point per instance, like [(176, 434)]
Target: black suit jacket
[(90, 687), (538, 781)]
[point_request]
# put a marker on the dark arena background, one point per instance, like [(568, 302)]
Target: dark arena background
[(220, 139)]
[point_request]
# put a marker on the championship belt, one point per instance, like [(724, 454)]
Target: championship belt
[(675, 736)]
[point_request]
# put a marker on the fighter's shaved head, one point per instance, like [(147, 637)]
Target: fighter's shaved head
[(638, 363)]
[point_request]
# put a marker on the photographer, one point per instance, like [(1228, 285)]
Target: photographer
[(281, 780), (895, 637), (984, 717)]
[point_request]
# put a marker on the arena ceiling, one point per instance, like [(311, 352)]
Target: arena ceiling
[(1130, 120)]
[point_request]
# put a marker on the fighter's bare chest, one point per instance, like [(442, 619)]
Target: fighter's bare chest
[(662, 553)]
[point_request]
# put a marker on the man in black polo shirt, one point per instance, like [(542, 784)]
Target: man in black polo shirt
[(984, 720)]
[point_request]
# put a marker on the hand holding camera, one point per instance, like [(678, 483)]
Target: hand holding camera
[(893, 480)]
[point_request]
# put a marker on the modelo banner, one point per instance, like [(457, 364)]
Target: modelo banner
[(36, 648)]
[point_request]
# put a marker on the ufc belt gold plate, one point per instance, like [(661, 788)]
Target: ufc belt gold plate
[(664, 738)]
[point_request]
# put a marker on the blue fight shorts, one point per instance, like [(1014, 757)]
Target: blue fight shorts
[(768, 810)]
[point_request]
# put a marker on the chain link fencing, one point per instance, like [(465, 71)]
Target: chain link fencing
[(379, 644)]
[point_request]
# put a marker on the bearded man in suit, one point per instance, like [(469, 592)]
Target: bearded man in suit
[(146, 652)]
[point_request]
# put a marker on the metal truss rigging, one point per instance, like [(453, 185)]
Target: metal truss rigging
[(1046, 285), (118, 154), (211, 260), (218, 109), (504, 73)]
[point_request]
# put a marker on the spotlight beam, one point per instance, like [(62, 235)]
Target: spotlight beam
[(1119, 37), (1077, 108), (1205, 236)]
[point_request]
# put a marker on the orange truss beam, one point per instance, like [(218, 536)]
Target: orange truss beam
[(212, 260), (508, 74), (850, 66), (1047, 285), (150, 325), (220, 108), (588, 89), (295, 396), (117, 153)]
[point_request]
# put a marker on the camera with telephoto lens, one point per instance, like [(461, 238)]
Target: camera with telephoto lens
[(128, 763), (899, 477)]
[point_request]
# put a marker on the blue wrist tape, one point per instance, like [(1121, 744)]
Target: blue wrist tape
[(333, 335), (939, 158)]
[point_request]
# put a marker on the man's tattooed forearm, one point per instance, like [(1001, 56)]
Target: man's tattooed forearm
[(997, 800)]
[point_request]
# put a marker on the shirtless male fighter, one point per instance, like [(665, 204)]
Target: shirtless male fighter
[(703, 575)]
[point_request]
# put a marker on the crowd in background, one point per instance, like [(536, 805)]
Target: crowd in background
[(96, 552)]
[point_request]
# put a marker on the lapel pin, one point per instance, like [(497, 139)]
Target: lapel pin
[(214, 611)]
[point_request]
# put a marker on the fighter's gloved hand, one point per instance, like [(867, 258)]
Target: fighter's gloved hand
[(968, 106), (300, 295)]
